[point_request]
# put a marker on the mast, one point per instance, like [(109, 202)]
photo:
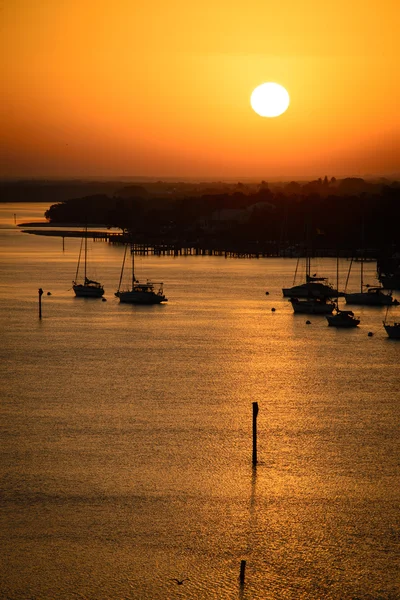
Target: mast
[(337, 281), (362, 249), (85, 253), (348, 276), (362, 273), (79, 262), (295, 272), (133, 264)]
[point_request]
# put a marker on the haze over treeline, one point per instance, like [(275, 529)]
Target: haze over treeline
[(350, 213)]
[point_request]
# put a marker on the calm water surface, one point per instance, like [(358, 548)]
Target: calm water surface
[(126, 433)]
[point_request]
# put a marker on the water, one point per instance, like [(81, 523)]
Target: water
[(127, 433)]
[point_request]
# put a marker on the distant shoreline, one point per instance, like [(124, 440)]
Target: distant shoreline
[(59, 225)]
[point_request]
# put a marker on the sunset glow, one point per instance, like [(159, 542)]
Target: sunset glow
[(163, 89)]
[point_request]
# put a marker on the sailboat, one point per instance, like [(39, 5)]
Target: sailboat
[(312, 306), (342, 318), (88, 288), (140, 292), (314, 286), (392, 328), (368, 295)]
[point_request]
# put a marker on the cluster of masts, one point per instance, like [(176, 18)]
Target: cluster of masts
[(317, 297), (313, 297), (138, 292)]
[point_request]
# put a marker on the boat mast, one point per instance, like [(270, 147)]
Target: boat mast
[(362, 251), (362, 273), (348, 276), (337, 280), (307, 251), (79, 261), (133, 264), (85, 252), (122, 268), (295, 272)]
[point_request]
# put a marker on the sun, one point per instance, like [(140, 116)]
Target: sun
[(269, 99)]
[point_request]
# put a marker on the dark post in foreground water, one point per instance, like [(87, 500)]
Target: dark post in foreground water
[(40, 302), (242, 570), (255, 413)]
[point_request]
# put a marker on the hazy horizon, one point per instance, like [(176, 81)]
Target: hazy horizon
[(199, 179)]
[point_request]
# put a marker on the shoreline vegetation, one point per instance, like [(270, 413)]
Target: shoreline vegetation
[(325, 217)]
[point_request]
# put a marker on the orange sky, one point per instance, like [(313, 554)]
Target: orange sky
[(100, 88)]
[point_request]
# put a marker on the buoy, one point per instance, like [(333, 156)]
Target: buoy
[(308, 322), (49, 293), (370, 334), (267, 293), (104, 299), (272, 309)]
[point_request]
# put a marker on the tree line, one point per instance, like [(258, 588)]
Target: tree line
[(323, 214)]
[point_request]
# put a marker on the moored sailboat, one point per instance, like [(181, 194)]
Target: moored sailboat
[(344, 319), (392, 327), (368, 295), (139, 292), (88, 288), (313, 287), (312, 306)]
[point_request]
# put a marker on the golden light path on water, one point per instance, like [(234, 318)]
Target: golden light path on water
[(126, 454)]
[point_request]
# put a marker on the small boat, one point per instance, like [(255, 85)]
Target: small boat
[(312, 306), (88, 288), (343, 319), (392, 328), (368, 295), (139, 292)]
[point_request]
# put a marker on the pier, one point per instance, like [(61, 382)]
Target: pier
[(185, 247)]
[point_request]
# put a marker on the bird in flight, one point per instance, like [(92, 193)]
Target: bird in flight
[(179, 581)]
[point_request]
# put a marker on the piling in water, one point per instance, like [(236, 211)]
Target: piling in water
[(255, 413), (40, 302), (242, 571)]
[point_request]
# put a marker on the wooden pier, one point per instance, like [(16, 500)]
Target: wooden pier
[(181, 247)]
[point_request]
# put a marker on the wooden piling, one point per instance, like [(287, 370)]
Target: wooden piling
[(242, 571), (40, 302), (255, 413)]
